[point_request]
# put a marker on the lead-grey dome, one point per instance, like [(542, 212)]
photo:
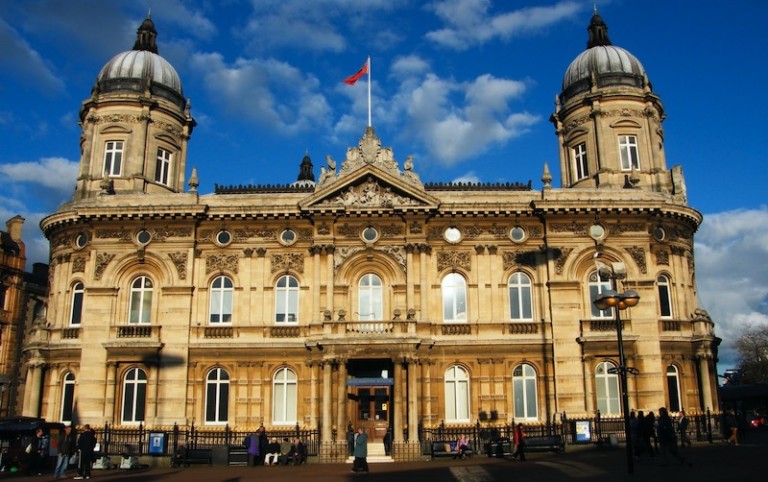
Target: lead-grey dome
[(141, 68), (602, 63)]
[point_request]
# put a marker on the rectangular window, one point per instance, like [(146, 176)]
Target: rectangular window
[(113, 158), (630, 158), (581, 169), (163, 166)]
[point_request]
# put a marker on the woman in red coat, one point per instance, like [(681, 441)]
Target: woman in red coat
[(519, 439)]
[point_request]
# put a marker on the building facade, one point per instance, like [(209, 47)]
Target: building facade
[(367, 296)]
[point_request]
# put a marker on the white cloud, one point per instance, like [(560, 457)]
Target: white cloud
[(19, 59), (469, 22), (468, 177), (732, 279), (54, 173), (248, 88)]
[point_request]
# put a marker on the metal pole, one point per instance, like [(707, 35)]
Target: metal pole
[(624, 394)]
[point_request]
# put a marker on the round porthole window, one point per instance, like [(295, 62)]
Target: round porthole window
[(143, 237), (597, 231), (517, 234), (223, 237), (288, 237), (81, 240), (370, 234), (452, 235), (659, 234)]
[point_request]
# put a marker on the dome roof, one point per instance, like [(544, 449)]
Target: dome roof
[(602, 63), (142, 68)]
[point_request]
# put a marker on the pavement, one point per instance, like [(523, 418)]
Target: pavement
[(704, 462)]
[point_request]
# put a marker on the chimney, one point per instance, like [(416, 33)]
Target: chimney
[(13, 226)]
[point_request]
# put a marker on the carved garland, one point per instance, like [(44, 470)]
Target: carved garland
[(638, 254), (453, 260), (287, 262), (180, 261), (78, 264), (102, 261), (218, 262)]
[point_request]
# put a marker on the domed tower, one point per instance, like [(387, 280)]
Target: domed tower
[(608, 121), (135, 126)]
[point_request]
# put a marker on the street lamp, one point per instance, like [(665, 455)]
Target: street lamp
[(612, 299)]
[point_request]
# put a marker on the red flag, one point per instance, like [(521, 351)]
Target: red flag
[(353, 78)]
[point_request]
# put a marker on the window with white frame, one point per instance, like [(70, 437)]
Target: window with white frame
[(524, 391), (285, 397), (665, 300), (221, 300), (520, 298), (599, 283), (287, 300), (456, 394), (628, 151), (67, 397), (607, 389), (113, 158), (76, 311), (141, 300), (454, 290), (580, 166), (217, 397), (134, 396), (163, 166), (371, 303), (673, 389)]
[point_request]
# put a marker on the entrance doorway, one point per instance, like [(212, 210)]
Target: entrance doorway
[(370, 396)]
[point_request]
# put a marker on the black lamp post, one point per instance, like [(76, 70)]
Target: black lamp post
[(612, 299)]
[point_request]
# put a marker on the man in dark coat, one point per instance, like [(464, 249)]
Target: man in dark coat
[(85, 446)]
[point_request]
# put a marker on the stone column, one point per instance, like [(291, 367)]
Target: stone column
[(329, 289), (341, 404), (397, 437), (33, 389), (706, 383), (313, 394), (413, 402), (426, 383), (410, 282), (326, 435), (152, 381), (316, 315), (424, 282)]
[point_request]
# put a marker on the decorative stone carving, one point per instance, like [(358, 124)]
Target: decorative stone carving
[(453, 260), (561, 259), (169, 128), (349, 231), (511, 259), (638, 254), (218, 262), (287, 262), (323, 229), (677, 250), (397, 252), (370, 194), (574, 123), (117, 233), (662, 257), (572, 227), (115, 118), (78, 264), (102, 261), (619, 228), (415, 228), (179, 260), (341, 254)]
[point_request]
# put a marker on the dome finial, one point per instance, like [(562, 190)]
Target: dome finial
[(598, 31), (146, 36)]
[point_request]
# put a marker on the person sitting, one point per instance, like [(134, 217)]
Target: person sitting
[(273, 453), (285, 451), (462, 446), (299, 454)]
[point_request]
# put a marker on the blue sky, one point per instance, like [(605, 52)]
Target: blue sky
[(465, 86)]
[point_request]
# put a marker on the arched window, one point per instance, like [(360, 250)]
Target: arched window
[(454, 289), (76, 313), (284, 397), (599, 283), (520, 301), (221, 300), (134, 396), (287, 300), (665, 300), (67, 397), (607, 389), (371, 305), (456, 394), (524, 388), (673, 389), (141, 300), (217, 397)]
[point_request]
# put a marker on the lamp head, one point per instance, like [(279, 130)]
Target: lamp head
[(607, 300)]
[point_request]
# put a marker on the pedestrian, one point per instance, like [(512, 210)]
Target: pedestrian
[(649, 434), (251, 444), (67, 447), (299, 454), (37, 448), (733, 427), (85, 447), (350, 439), (667, 438), (361, 452), (263, 442), (388, 442), (518, 437), (682, 428)]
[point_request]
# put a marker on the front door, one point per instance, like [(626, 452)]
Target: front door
[(372, 411)]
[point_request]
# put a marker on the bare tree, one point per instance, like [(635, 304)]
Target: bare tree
[(753, 352)]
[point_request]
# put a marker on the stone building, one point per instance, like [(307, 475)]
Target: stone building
[(367, 296), (22, 304)]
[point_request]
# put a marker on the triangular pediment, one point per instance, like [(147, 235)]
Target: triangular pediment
[(369, 179)]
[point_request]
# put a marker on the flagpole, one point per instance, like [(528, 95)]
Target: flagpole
[(369, 91)]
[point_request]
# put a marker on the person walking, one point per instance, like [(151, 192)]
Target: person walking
[(667, 438), (251, 443), (37, 448), (682, 428), (67, 447), (361, 452), (733, 426), (518, 437), (85, 446)]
